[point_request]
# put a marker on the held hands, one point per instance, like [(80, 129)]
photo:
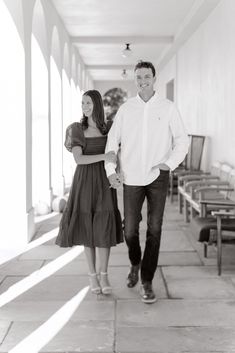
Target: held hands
[(110, 157), (115, 180)]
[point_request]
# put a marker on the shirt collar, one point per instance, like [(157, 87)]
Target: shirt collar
[(154, 97)]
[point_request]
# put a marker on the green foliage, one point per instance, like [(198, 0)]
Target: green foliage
[(112, 100)]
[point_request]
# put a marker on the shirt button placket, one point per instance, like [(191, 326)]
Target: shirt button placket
[(144, 142)]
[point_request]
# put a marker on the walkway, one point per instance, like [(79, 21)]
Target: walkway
[(195, 311)]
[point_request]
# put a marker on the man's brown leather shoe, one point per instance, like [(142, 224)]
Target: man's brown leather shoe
[(133, 276)]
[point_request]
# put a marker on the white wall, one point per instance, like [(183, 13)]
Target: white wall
[(25, 15), (166, 75), (205, 83)]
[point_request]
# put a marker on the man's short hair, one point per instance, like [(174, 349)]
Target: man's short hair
[(147, 65)]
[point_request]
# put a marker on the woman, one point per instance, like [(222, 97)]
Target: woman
[(91, 217)]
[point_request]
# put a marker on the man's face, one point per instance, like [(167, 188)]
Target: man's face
[(144, 80)]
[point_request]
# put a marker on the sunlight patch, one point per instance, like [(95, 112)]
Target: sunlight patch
[(37, 276), (10, 253), (47, 331)]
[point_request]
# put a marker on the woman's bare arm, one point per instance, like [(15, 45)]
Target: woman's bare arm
[(81, 158)]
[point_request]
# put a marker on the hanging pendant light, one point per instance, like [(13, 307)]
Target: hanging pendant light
[(126, 53), (124, 74)]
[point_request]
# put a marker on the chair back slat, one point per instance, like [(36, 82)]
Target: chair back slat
[(216, 168), (231, 194), (194, 156), (225, 172)]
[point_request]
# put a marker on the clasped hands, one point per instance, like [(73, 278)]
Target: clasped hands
[(115, 180)]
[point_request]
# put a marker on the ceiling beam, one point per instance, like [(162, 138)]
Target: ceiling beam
[(109, 67), (120, 40)]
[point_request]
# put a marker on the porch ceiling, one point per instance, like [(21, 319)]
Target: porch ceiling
[(99, 30)]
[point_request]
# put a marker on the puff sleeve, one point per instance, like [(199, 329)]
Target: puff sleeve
[(74, 136)]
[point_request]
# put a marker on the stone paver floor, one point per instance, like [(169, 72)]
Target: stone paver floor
[(195, 311)]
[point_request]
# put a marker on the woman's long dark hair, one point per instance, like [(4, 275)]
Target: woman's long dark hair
[(98, 112)]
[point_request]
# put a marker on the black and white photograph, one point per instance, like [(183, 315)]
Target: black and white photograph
[(117, 152)]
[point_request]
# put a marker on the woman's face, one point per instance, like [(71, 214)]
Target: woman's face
[(87, 106)]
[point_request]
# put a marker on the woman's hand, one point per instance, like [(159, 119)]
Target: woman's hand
[(115, 180), (110, 157)]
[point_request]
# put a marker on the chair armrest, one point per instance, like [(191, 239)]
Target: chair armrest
[(223, 202), (205, 183), (212, 188), (216, 204), (230, 214), (197, 177), (188, 172)]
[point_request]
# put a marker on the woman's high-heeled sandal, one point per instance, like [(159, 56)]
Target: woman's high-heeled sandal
[(104, 283), (94, 283)]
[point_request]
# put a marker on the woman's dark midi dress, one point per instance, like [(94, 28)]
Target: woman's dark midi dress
[(91, 217)]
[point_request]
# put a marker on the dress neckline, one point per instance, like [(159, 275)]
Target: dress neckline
[(95, 137), (92, 137)]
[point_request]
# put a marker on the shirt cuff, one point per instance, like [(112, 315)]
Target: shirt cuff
[(110, 169), (170, 164)]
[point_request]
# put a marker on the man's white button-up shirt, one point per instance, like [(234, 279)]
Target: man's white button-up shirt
[(147, 133)]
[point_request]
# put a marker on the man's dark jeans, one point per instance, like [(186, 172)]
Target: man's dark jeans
[(134, 197)]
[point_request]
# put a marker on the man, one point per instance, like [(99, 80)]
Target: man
[(152, 141)]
